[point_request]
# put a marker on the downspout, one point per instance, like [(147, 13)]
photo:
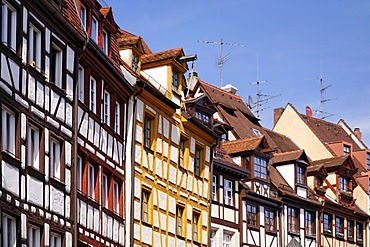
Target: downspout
[(281, 223), (210, 193), (135, 96)]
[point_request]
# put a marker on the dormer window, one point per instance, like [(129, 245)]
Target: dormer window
[(346, 149), (135, 63), (256, 132), (105, 42), (368, 161), (94, 29), (202, 116), (260, 167), (343, 184), (301, 175), (83, 15), (175, 81)]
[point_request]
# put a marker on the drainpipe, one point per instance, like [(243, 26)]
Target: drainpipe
[(135, 96), (210, 192)]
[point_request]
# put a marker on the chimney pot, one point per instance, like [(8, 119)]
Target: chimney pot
[(358, 133)]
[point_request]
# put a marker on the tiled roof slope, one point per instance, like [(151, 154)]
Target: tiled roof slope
[(243, 145), (162, 55), (280, 142), (287, 156), (327, 132), (127, 38), (71, 14)]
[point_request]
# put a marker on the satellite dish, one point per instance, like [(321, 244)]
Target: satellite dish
[(250, 102), (308, 111)]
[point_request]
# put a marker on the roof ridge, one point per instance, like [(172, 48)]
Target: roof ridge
[(220, 89)]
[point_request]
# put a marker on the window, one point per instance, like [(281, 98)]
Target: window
[(81, 83), (56, 65), (117, 118), (224, 137), (293, 220), (35, 46), (350, 230), (339, 227), (9, 25), (256, 132), (94, 29), (213, 235), (34, 236), (92, 105), (301, 175), (9, 231), (55, 154), (182, 153), (91, 181), (148, 132), (260, 167), (227, 240), (175, 81), (346, 149), (228, 192), (197, 161), (145, 196), (328, 223), (106, 109), (196, 226), (79, 173), (310, 224), (105, 191), (135, 63), (179, 220), (8, 130), (270, 220), (368, 161), (116, 197), (204, 117), (55, 240), (105, 43), (343, 184), (83, 16), (33, 146), (214, 187), (252, 215), (359, 232)]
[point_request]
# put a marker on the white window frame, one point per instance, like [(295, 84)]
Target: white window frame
[(106, 108), (83, 16), (94, 29), (57, 62), (33, 146), (117, 118), (79, 173), (105, 42), (214, 187), (34, 236), (91, 181), (135, 62), (55, 157), (116, 197), (55, 240), (105, 191), (8, 130), (81, 83), (9, 28), (226, 240), (9, 230), (92, 95), (213, 237), (35, 46), (175, 81), (228, 192)]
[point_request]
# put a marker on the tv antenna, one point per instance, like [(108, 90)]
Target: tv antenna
[(223, 59), (322, 114), (261, 99)]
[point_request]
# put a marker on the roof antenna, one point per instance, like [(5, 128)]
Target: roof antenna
[(223, 59), (261, 99), (322, 114)]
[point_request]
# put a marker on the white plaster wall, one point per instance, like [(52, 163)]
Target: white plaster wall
[(159, 74), (10, 178), (34, 187), (56, 201), (287, 171)]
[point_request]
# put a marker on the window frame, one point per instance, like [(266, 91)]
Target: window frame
[(180, 220), (91, 181), (198, 161), (81, 83), (8, 137), (105, 42), (145, 205), (148, 131), (328, 223), (116, 196), (182, 150), (350, 230), (33, 146), (175, 81), (344, 184), (339, 227), (270, 220), (106, 108), (6, 219), (83, 16), (55, 237), (35, 45), (301, 175), (346, 149), (135, 63), (94, 33), (310, 223), (195, 226), (293, 220), (226, 239), (359, 232), (105, 191), (259, 167), (55, 158), (117, 118), (56, 65), (92, 94), (34, 231), (214, 188), (252, 215), (228, 192), (80, 173), (9, 25)]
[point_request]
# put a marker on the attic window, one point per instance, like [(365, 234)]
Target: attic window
[(229, 110), (135, 63), (368, 161), (202, 116), (175, 81), (346, 149), (344, 184), (257, 132)]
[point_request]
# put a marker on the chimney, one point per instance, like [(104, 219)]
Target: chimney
[(230, 88), (192, 80), (277, 114), (358, 133)]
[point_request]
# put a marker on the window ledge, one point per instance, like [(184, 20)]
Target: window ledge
[(57, 183)]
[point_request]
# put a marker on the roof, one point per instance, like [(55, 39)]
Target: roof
[(162, 55), (69, 11), (243, 145), (127, 38), (287, 156), (280, 141)]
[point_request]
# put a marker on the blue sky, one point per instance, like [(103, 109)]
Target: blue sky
[(293, 40)]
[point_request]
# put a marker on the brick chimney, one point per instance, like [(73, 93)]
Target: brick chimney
[(277, 114), (358, 133)]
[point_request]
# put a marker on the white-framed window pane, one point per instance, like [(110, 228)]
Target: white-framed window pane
[(214, 187), (228, 190), (226, 240), (33, 148), (81, 83), (91, 181), (79, 173), (56, 65), (9, 230), (83, 15), (92, 105), (55, 154), (94, 29), (117, 118), (105, 190), (106, 108), (8, 130), (34, 236), (55, 240), (105, 46), (35, 46), (116, 196), (9, 25)]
